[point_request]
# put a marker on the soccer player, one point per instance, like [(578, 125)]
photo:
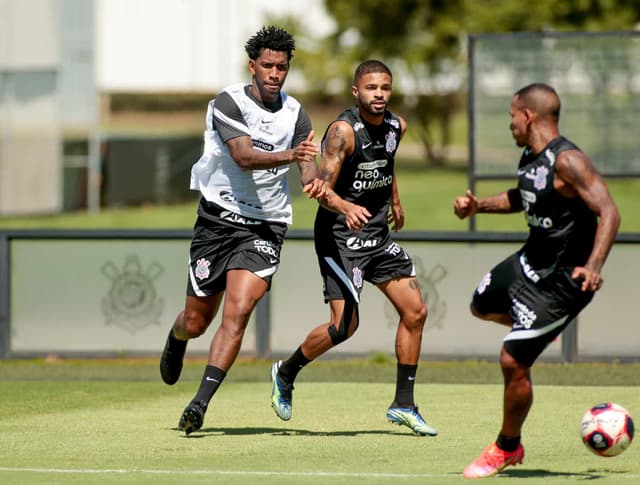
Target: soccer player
[(539, 290), (253, 133), (353, 242)]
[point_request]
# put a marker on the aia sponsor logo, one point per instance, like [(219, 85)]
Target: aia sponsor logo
[(355, 243)]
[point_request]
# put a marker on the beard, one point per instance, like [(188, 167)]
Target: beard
[(268, 93), (519, 142), (368, 107)]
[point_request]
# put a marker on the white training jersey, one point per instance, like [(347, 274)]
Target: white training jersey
[(259, 194)]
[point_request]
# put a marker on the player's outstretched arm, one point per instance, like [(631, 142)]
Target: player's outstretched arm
[(465, 205), (247, 157), (502, 203)]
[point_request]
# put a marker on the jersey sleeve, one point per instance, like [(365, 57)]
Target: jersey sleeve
[(302, 128), (227, 118)]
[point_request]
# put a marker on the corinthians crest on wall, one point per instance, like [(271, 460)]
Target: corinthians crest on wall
[(429, 286), (132, 302)]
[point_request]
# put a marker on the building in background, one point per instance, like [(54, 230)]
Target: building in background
[(30, 114), (186, 45), (58, 56)]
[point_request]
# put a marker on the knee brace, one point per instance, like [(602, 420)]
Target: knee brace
[(340, 334)]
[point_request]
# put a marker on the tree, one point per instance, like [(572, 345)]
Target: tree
[(420, 41), (424, 43)]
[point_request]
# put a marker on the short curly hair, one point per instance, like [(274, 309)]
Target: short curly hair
[(271, 37), (369, 67)]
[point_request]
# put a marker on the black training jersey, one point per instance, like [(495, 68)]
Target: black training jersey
[(561, 229), (365, 179)]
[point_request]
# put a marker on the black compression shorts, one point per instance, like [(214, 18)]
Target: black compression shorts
[(539, 310), (343, 274), (222, 242)]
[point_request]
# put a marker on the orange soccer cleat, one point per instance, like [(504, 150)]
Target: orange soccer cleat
[(492, 461)]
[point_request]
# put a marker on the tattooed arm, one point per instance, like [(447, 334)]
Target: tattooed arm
[(339, 143)]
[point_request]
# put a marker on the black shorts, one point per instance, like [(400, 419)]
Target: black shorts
[(219, 244), (540, 310), (343, 274)]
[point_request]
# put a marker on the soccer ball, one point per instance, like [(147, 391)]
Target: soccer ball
[(607, 429)]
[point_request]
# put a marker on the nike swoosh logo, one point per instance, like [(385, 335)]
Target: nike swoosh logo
[(364, 147), (412, 378), (273, 260), (211, 379)]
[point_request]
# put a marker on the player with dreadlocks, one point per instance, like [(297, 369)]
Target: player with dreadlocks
[(253, 133)]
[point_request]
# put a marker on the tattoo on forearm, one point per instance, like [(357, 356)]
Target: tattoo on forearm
[(325, 174), (336, 139)]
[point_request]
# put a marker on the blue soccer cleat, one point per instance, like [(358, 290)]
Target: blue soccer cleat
[(280, 394), (411, 418)]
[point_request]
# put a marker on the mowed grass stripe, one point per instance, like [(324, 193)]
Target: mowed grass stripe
[(338, 432), (225, 473)]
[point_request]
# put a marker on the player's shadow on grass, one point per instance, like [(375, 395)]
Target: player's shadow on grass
[(538, 473), (289, 432)]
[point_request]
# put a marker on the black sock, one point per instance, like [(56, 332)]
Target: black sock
[(507, 443), (405, 380), (294, 364), (175, 341), (209, 384)]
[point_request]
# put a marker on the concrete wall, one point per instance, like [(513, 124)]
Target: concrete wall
[(121, 296)]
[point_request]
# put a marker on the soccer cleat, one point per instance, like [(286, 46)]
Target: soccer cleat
[(280, 394), (192, 417), (492, 461), (171, 360), (411, 418)]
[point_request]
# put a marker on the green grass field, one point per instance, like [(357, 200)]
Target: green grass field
[(427, 196), (102, 422)]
